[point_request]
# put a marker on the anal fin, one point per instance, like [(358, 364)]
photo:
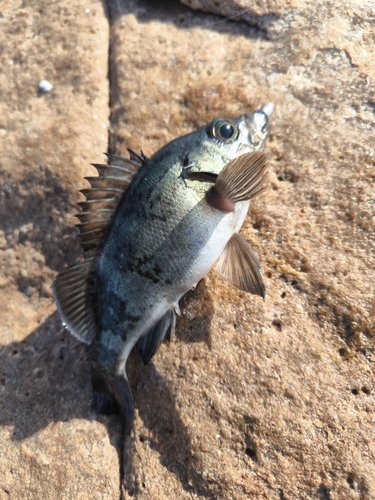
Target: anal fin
[(240, 180), (150, 343), (239, 265), (73, 292)]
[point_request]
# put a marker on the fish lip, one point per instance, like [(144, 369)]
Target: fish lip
[(254, 128), (261, 117), (267, 109)]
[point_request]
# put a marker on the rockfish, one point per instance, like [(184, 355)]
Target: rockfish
[(150, 229)]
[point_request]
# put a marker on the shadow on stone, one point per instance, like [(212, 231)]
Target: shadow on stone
[(43, 379), (47, 378), (30, 212), (197, 309), (174, 12), (169, 437), (158, 410)]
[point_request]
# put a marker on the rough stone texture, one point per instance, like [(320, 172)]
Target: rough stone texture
[(51, 446), (270, 399), (312, 25), (267, 400)]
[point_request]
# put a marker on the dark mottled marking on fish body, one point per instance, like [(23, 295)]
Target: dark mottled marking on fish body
[(147, 267), (149, 242)]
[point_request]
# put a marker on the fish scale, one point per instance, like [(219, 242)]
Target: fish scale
[(150, 230)]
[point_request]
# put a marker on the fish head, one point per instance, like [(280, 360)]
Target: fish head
[(243, 134), (222, 140)]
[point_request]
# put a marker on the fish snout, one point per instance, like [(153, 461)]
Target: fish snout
[(257, 125)]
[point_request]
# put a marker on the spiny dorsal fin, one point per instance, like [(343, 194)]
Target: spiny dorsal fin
[(135, 160), (239, 265), (103, 197), (135, 157), (241, 179), (73, 292)]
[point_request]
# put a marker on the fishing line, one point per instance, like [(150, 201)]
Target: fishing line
[(226, 19)]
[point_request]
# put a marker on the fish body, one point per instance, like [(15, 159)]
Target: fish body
[(150, 238)]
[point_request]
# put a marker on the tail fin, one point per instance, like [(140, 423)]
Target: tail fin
[(112, 394), (120, 388)]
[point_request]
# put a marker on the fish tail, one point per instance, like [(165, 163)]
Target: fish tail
[(112, 394), (103, 401), (120, 388)]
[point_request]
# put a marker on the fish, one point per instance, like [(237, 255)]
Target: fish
[(150, 230)]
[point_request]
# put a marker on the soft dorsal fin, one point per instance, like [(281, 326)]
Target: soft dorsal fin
[(73, 292), (239, 265), (103, 197), (73, 287)]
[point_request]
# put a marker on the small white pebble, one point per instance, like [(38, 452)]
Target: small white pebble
[(45, 86), (87, 11)]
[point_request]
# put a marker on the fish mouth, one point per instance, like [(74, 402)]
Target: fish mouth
[(267, 109), (254, 129)]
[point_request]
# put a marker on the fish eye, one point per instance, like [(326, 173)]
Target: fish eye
[(222, 130), (226, 131)]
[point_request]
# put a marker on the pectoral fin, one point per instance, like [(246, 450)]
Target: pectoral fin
[(150, 343), (239, 265), (241, 179)]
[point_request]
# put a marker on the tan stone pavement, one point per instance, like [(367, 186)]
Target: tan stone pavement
[(260, 400)]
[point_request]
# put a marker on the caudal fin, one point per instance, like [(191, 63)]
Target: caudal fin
[(120, 388)]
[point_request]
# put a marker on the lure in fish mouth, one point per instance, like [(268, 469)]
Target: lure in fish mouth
[(150, 229)]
